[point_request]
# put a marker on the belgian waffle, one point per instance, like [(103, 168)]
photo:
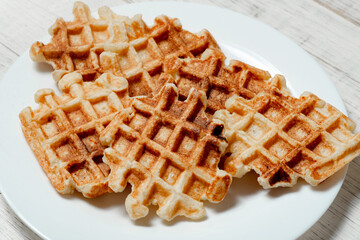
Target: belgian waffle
[(64, 131), (283, 138), (120, 45), (219, 81), (168, 150)]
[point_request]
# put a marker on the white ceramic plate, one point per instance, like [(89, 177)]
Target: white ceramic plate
[(247, 212)]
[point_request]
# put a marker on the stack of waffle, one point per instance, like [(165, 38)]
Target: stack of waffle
[(157, 107)]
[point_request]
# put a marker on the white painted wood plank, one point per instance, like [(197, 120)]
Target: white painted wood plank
[(348, 9), (7, 58), (327, 29)]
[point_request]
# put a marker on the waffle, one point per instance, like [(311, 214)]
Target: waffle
[(142, 60), (119, 45), (64, 131), (219, 81), (168, 150), (284, 138)]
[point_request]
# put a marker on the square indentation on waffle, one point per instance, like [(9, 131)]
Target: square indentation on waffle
[(100, 32), (66, 150), (278, 146), (218, 97), (194, 113), (185, 142), (170, 171), (127, 60), (147, 156), (49, 125), (138, 122), (147, 52), (321, 146), (81, 172), (155, 72), (90, 139), (195, 187), (313, 114), (253, 81), (259, 161), (124, 143), (256, 129), (240, 144), (166, 45), (98, 160), (79, 36), (101, 106), (339, 131), (298, 129), (158, 193), (186, 82), (162, 132), (209, 156), (82, 61), (300, 162), (76, 115), (274, 111), (139, 84)]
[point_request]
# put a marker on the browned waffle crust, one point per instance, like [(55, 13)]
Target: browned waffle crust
[(220, 81), (168, 145), (120, 45), (283, 138), (168, 150), (64, 131)]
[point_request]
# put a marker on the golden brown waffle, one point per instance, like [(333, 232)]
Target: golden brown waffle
[(283, 138), (76, 45), (168, 150), (64, 131), (142, 60), (120, 45), (220, 81)]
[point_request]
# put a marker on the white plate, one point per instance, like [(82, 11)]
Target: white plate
[(247, 211)]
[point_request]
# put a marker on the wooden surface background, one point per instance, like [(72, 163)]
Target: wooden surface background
[(327, 29)]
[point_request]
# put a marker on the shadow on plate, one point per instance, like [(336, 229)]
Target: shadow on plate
[(324, 186), (104, 201), (239, 190), (44, 67), (118, 200), (152, 217)]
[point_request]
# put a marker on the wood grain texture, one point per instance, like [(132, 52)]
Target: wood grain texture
[(346, 9), (327, 29)]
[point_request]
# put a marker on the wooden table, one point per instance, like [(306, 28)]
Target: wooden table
[(327, 29)]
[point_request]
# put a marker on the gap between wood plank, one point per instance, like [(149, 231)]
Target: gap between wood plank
[(10, 49), (337, 12)]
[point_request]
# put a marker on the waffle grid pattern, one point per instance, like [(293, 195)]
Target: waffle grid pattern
[(220, 81), (169, 151), (146, 106), (142, 60), (283, 138), (119, 45), (64, 131)]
